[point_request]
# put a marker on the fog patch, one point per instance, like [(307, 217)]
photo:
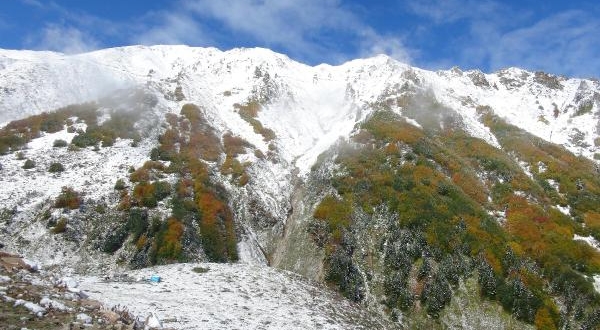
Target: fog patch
[(429, 113)]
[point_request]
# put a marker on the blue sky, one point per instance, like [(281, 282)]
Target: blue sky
[(561, 37)]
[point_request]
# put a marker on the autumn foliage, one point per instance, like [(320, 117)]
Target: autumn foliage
[(68, 199)]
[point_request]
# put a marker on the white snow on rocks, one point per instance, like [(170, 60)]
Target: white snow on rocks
[(32, 307)]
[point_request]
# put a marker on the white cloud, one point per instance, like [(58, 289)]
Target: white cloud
[(498, 35), (65, 39), (175, 28), (375, 44), (308, 29), (275, 21), (565, 43), (33, 3), (448, 11)]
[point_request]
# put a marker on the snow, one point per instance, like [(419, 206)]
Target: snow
[(92, 173), (566, 210), (51, 303), (33, 265), (315, 105), (153, 321), (84, 318), (230, 296), (588, 239), (308, 108), (32, 307), (597, 282), (526, 169)]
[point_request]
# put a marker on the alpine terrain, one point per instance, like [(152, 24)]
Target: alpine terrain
[(270, 194)]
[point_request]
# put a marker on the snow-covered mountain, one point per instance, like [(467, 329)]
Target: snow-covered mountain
[(312, 106), (276, 125)]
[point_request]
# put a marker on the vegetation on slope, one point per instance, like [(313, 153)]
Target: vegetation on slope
[(120, 124), (200, 220), (199, 210), (457, 207), (249, 112)]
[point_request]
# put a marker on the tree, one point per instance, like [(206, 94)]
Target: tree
[(487, 279), (436, 294)]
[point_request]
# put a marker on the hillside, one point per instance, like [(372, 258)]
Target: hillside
[(431, 198)]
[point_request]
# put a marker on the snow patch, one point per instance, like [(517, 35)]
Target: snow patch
[(253, 297), (566, 210), (32, 307), (588, 239)]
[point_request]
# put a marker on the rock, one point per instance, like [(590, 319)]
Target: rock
[(34, 267), (90, 304), (70, 283), (153, 322), (84, 318), (32, 307), (110, 316)]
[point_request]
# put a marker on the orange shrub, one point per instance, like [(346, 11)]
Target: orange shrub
[(68, 199), (234, 145), (170, 247)]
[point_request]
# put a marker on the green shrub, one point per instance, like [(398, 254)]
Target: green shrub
[(200, 270), (114, 240), (59, 143), (83, 140), (342, 272), (120, 184), (56, 168), (137, 224), (29, 164), (436, 294), (169, 245), (162, 189), (60, 227)]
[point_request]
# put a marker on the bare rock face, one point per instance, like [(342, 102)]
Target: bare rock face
[(548, 80), (478, 79)]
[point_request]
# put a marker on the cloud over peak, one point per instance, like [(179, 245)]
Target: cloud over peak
[(64, 39)]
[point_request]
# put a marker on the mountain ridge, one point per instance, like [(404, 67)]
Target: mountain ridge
[(166, 64)]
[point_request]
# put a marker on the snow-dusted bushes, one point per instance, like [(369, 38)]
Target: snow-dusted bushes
[(56, 167)]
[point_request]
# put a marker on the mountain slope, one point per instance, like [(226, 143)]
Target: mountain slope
[(176, 153)]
